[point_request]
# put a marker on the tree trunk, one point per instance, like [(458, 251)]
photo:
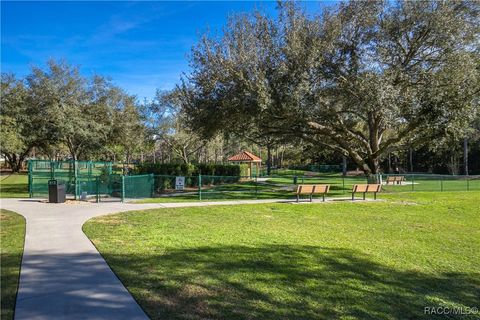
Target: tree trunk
[(281, 159), (15, 162), (465, 155), (389, 163), (411, 159), (184, 156), (269, 159)]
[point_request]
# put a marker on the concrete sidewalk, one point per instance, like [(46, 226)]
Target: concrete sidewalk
[(63, 276)]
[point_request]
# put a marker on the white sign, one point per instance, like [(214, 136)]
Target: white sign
[(179, 183)]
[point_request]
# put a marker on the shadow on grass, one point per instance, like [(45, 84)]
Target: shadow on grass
[(14, 190), (10, 265), (285, 282), (12, 238)]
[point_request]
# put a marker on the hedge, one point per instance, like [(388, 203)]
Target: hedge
[(165, 174), (173, 169), (217, 169)]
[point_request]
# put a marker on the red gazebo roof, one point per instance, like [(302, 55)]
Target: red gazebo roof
[(245, 156)]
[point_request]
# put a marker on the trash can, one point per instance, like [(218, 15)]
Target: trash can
[(295, 179), (56, 191)]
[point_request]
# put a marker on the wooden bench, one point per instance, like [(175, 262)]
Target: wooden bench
[(312, 189), (395, 179), (366, 188)]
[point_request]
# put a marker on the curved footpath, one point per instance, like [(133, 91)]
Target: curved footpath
[(63, 276)]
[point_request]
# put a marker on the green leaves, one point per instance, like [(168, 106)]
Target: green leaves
[(65, 114), (363, 79)]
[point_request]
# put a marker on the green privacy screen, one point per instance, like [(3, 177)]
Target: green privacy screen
[(138, 186), (99, 179), (77, 176)]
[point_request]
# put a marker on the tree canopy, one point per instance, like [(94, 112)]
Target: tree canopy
[(362, 78), (58, 108)]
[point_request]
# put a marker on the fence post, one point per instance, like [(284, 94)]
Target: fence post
[(30, 179), (413, 182), (468, 184), (97, 182), (75, 179), (441, 184), (152, 184), (123, 188), (256, 187), (52, 170), (199, 187), (343, 184)]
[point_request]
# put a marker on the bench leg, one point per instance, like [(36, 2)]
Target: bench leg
[(374, 196), (353, 196), (324, 197), (298, 198), (364, 196), (311, 198)]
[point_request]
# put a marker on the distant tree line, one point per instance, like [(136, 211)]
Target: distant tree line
[(57, 114)]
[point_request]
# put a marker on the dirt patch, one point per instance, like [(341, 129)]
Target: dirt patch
[(4, 217), (406, 203), (112, 220)]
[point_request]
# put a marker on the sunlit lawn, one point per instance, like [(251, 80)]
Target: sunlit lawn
[(366, 260), (12, 233), (283, 187), (14, 185)]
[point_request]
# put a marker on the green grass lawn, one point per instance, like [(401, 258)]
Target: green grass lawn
[(12, 234), (14, 185), (365, 260), (282, 187)]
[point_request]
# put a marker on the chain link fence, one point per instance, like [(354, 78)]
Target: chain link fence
[(100, 182), (283, 186)]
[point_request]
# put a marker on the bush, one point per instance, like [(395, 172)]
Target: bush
[(174, 169), (244, 169), (170, 169), (217, 169), (165, 174)]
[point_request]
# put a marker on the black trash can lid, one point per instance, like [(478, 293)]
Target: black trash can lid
[(55, 182)]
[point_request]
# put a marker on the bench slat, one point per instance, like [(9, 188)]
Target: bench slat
[(311, 189), (321, 188)]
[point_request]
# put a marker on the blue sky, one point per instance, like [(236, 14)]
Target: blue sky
[(141, 46)]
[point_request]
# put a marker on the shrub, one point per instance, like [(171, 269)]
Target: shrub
[(217, 169), (244, 169), (165, 174), (174, 169), (171, 169)]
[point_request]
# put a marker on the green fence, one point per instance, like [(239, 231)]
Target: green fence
[(97, 180), (87, 178), (431, 182), (78, 176), (205, 187), (283, 186), (138, 186)]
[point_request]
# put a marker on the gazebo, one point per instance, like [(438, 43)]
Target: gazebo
[(250, 158)]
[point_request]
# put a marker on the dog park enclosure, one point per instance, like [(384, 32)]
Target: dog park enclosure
[(89, 178), (100, 180)]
